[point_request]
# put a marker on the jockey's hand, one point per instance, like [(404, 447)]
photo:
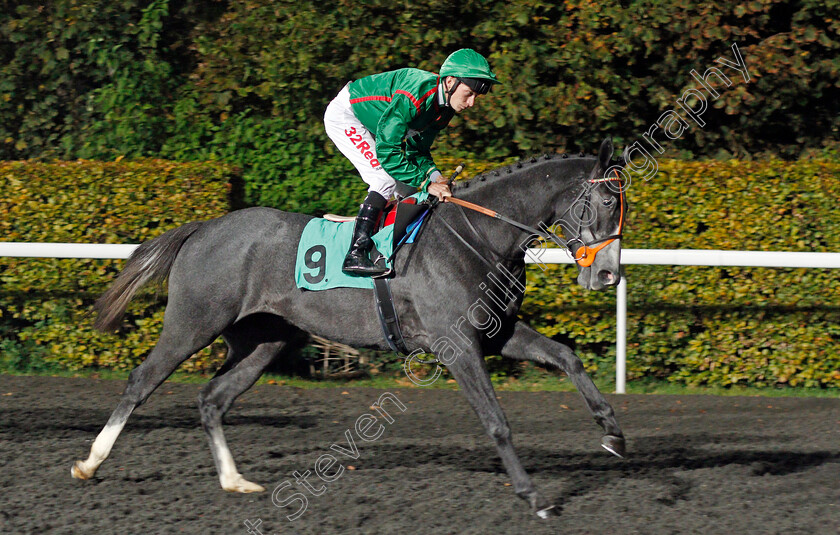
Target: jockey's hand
[(440, 190)]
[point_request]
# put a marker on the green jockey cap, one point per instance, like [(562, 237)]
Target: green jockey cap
[(471, 69)]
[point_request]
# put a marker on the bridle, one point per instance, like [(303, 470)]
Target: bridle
[(584, 254)]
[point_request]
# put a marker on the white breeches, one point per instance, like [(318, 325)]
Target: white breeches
[(358, 145)]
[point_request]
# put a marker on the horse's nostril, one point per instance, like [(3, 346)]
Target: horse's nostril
[(607, 277)]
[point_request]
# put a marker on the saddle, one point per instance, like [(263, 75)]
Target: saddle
[(324, 243), (398, 213)]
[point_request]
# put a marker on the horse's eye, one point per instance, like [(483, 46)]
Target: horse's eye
[(608, 202)]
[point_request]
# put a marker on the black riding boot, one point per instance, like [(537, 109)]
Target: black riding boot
[(357, 261)]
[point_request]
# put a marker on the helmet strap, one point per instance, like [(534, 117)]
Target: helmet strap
[(450, 92)]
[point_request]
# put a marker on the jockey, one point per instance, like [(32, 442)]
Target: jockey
[(385, 125)]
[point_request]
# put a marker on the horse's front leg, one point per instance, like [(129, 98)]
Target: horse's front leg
[(470, 372), (527, 344)]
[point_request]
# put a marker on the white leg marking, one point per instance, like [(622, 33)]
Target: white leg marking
[(98, 452), (229, 477)]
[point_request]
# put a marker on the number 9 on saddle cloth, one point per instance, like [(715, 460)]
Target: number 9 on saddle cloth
[(324, 243)]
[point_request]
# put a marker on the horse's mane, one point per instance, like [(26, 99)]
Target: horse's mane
[(501, 173)]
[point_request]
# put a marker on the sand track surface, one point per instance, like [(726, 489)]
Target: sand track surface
[(696, 464)]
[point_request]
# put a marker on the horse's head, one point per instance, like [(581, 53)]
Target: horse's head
[(595, 222)]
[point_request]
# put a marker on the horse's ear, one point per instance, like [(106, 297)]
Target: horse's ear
[(605, 153)]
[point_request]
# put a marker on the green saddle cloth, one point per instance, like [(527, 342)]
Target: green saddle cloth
[(324, 244), (321, 251)]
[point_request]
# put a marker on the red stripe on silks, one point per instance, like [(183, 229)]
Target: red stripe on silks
[(417, 103), (410, 97), (429, 93), (366, 99)]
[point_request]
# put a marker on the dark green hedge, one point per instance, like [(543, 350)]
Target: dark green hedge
[(247, 82), (45, 304), (707, 325)]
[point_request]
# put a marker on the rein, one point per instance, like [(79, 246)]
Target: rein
[(588, 251), (496, 215), (468, 244)]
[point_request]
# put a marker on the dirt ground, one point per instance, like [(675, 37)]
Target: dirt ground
[(696, 464)]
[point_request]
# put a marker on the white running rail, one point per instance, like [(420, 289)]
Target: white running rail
[(675, 257), (66, 250)]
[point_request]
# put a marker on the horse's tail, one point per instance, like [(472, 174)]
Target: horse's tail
[(151, 261)]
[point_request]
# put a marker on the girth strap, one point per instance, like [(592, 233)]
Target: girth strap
[(388, 316)]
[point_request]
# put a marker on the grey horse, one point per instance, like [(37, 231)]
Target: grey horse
[(457, 293)]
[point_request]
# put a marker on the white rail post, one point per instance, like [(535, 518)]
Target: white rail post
[(621, 334)]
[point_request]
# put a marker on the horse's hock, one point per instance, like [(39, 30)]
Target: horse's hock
[(336, 360)]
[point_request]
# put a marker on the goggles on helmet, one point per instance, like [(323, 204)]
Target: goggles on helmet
[(478, 85)]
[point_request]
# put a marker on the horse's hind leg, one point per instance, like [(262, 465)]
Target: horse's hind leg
[(527, 344), (171, 350), (252, 345)]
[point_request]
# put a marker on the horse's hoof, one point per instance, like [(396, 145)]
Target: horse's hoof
[(548, 512), (614, 445), (78, 472), (241, 484)]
